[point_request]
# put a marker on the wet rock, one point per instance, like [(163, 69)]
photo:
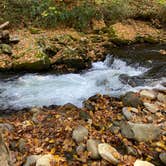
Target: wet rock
[(132, 81), (22, 145), (6, 49), (109, 153), (140, 131), (142, 163), (80, 133), (92, 147), (162, 157), (31, 160), (151, 107), (131, 99), (126, 113), (46, 160), (161, 97), (148, 94)]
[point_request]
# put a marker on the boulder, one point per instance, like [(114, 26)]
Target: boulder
[(140, 131), (149, 94), (109, 153), (131, 99)]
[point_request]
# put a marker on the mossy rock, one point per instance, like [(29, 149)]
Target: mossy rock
[(40, 62), (75, 59), (147, 39), (6, 49)]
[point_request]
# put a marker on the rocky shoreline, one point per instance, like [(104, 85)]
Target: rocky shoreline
[(130, 130)]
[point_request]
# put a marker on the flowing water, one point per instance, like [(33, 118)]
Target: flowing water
[(50, 89)]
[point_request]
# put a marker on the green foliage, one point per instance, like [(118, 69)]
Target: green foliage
[(79, 15)]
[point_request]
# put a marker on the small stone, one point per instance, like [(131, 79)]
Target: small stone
[(21, 145), (84, 115), (114, 129), (80, 133), (14, 40), (109, 153), (162, 157), (149, 94), (131, 151), (92, 147), (46, 160), (153, 108), (135, 110), (161, 97), (142, 163), (31, 160), (80, 149), (126, 113)]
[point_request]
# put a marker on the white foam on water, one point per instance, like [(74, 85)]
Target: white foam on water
[(44, 90)]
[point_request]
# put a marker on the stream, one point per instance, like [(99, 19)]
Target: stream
[(113, 77)]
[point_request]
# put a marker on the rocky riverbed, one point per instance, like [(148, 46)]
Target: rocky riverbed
[(107, 131)]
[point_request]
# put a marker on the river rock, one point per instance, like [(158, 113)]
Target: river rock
[(6, 49), (131, 151), (80, 133), (140, 131), (150, 94), (109, 153), (46, 160), (126, 113), (92, 147), (131, 99), (6, 126), (5, 158), (22, 145), (31, 160), (161, 97), (142, 163), (151, 107), (162, 157)]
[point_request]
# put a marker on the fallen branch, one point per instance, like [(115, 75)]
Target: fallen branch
[(4, 25)]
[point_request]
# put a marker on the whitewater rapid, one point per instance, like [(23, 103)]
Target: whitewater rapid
[(45, 90)]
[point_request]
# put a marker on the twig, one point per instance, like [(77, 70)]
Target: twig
[(4, 25)]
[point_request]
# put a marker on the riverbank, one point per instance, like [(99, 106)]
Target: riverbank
[(67, 50), (106, 131)]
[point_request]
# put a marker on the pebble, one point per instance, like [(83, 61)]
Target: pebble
[(31, 160), (162, 157), (80, 133), (92, 147), (109, 153), (126, 113), (142, 163)]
